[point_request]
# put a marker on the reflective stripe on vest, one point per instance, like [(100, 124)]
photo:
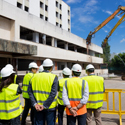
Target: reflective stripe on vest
[(10, 105), (61, 83), (41, 86), (96, 90), (15, 79), (26, 81), (75, 90)]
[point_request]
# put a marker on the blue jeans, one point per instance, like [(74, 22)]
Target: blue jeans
[(72, 120), (45, 115)]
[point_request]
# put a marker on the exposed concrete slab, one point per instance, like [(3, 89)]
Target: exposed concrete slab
[(15, 47)]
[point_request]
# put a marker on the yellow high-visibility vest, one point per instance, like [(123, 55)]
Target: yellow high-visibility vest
[(75, 89), (10, 105), (26, 81), (96, 90), (41, 86), (61, 83)]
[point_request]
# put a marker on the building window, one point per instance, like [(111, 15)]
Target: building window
[(68, 12), (41, 5), (56, 24), (68, 29), (56, 4), (19, 5), (60, 7), (46, 18), (26, 9), (60, 26), (57, 14), (69, 22), (41, 16), (46, 8), (60, 16)]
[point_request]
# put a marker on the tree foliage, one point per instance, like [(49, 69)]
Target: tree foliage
[(117, 62), (106, 53)]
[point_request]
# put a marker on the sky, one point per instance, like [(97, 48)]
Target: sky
[(88, 14)]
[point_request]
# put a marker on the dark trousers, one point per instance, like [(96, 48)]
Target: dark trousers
[(25, 112), (61, 109), (15, 121), (45, 115), (72, 120)]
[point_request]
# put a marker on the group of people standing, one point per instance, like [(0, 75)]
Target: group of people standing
[(43, 93)]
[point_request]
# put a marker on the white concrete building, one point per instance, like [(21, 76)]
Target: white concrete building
[(55, 12), (25, 37)]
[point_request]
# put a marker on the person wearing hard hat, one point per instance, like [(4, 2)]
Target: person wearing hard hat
[(40, 69), (44, 88), (10, 105), (16, 77), (75, 96), (96, 90), (66, 74), (26, 80)]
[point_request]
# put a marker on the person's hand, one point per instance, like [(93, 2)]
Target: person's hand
[(75, 108), (41, 107), (72, 111), (37, 107)]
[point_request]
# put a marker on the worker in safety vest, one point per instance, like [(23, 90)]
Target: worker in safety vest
[(41, 69), (66, 74), (44, 88), (96, 90), (16, 78), (75, 96), (26, 80), (10, 105)]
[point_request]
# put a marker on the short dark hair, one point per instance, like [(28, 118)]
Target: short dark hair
[(66, 76), (47, 68), (76, 73), (90, 70)]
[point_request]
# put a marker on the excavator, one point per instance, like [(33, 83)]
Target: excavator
[(89, 37)]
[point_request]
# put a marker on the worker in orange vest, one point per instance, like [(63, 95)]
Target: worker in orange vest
[(75, 96)]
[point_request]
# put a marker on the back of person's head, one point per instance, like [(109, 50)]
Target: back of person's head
[(76, 70), (66, 72), (33, 65), (47, 64), (90, 68), (7, 75)]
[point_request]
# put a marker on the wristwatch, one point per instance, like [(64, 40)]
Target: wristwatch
[(69, 108)]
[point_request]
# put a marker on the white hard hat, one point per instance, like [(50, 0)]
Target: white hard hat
[(5, 72), (76, 68), (66, 71), (90, 66), (9, 66), (33, 65), (41, 68), (47, 63)]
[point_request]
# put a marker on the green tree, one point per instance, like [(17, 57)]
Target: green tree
[(106, 53), (117, 62)]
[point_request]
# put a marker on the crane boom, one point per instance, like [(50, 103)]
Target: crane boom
[(113, 29), (89, 37)]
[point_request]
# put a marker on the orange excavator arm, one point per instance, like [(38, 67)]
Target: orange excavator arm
[(89, 37), (113, 29)]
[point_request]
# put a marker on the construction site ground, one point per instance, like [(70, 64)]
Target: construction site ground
[(110, 83)]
